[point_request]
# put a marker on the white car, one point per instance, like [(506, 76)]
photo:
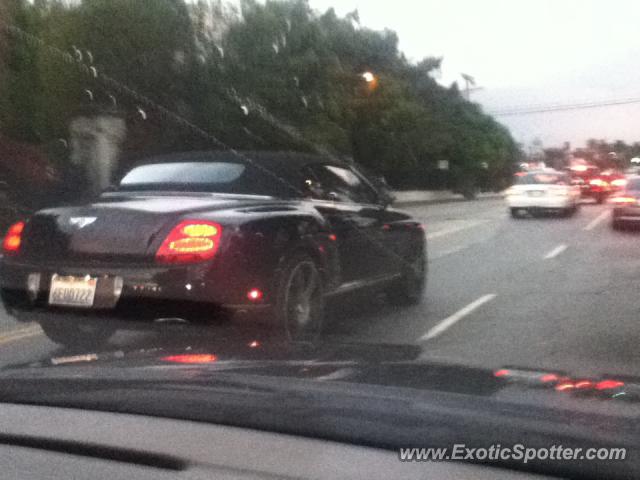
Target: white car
[(543, 191)]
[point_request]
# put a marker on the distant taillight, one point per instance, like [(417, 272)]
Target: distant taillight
[(190, 241), (619, 182), (598, 182), (609, 384), (13, 239), (623, 200)]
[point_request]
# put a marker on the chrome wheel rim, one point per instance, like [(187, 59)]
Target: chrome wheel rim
[(301, 301)]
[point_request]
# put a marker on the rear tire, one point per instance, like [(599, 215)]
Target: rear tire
[(617, 225), (409, 289), (600, 199), (515, 213), (77, 334), (299, 308)]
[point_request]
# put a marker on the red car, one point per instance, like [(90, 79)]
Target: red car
[(593, 184), (617, 180)]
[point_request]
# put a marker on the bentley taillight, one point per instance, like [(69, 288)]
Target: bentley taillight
[(13, 239), (190, 241)]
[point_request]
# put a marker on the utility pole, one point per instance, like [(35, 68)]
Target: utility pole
[(469, 82)]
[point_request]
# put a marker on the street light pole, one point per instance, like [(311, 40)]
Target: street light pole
[(470, 85)]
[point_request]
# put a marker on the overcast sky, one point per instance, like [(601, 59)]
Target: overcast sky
[(527, 52)]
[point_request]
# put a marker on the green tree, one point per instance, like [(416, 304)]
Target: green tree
[(273, 75)]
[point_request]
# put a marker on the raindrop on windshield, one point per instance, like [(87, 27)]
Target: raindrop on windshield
[(245, 109), (142, 113), (89, 94), (94, 72), (220, 50), (89, 56), (77, 53), (296, 81), (304, 101), (114, 102), (275, 47)]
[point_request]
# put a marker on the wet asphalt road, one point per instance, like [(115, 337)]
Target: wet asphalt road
[(548, 293)]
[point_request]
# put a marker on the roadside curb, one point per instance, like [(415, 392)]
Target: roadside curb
[(435, 201)]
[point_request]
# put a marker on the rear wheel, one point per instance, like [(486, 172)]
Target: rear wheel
[(516, 213), (80, 334), (616, 224), (601, 198), (409, 289), (299, 309), (569, 211)]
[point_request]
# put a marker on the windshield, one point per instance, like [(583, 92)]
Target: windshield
[(225, 184)]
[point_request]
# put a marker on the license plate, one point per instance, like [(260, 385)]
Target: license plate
[(72, 291)]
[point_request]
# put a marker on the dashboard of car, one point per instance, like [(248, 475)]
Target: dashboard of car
[(54, 443)]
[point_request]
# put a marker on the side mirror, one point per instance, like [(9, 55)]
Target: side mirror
[(333, 196), (380, 180)]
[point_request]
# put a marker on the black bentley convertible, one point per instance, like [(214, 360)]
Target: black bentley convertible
[(185, 235)]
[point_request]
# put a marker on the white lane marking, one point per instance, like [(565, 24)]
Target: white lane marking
[(596, 221), (339, 374), (555, 252), (444, 253), (456, 317), (19, 337), (454, 229), (20, 333)]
